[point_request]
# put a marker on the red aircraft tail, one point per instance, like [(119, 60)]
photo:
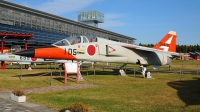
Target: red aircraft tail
[(168, 42)]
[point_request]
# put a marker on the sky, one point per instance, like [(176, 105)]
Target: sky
[(146, 20)]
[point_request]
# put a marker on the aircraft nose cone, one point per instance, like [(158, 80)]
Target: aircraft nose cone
[(27, 53)]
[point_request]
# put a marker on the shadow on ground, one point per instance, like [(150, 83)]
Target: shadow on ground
[(188, 91)]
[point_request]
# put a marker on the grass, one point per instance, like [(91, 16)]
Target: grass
[(116, 93), (40, 77), (165, 92), (186, 64)]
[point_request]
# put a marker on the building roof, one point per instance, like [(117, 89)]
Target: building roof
[(15, 35)]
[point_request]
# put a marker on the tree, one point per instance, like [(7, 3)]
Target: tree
[(180, 48)]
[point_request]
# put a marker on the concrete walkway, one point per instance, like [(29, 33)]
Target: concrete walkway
[(7, 105)]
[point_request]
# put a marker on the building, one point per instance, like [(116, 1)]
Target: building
[(91, 17), (46, 28)]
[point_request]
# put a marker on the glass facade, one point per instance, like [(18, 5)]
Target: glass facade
[(91, 16), (41, 38), (48, 28)]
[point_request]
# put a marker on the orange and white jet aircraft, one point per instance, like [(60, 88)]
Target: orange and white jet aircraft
[(95, 49)]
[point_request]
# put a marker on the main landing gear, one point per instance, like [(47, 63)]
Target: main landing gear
[(145, 73), (121, 70)]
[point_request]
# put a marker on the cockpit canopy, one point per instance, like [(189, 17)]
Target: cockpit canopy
[(13, 49), (76, 40)]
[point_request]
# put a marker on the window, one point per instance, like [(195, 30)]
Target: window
[(85, 40), (62, 43)]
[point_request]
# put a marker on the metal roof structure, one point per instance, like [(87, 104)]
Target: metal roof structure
[(13, 35)]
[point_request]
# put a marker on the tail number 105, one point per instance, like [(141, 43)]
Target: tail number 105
[(72, 51)]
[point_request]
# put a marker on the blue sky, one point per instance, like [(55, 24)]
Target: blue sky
[(146, 20)]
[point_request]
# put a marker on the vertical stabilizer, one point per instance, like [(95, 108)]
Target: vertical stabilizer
[(168, 42)]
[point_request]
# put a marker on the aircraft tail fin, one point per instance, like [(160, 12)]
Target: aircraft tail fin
[(167, 43)]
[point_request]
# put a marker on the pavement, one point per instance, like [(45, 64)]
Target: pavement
[(7, 105)]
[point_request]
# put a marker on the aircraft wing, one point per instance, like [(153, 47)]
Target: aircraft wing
[(173, 54), (26, 63)]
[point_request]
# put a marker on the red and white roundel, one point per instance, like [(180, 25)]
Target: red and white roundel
[(91, 50), (33, 59)]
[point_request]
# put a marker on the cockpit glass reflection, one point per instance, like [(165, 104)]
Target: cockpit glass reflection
[(63, 42), (76, 40), (92, 38)]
